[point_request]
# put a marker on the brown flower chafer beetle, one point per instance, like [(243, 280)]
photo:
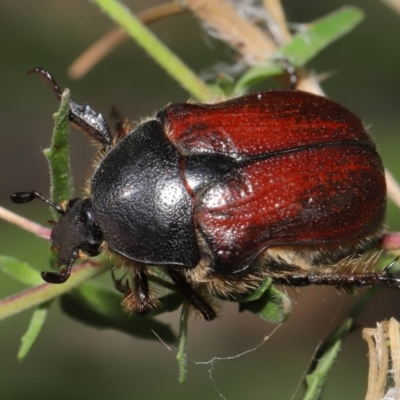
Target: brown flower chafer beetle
[(281, 184)]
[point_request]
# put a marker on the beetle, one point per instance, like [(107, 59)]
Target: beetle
[(279, 184)]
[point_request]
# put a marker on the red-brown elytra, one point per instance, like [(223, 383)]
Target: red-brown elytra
[(281, 184)]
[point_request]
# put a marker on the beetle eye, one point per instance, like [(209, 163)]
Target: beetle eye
[(71, 203), (91, 248)]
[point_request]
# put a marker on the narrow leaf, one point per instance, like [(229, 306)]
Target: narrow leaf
[(36, 324), (58, 154), (304, 45), (326, 357), (273, 306), (183, 333), (20, 271), (329, 349), (257, 293)]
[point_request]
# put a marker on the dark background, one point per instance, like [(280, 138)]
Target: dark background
[(74, 361)]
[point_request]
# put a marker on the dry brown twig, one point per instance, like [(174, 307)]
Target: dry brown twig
[(384, 360), (393, 4), (275, 10), (25, 223)]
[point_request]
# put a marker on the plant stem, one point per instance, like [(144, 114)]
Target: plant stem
[(25, 223), (39, 294), (155, 48), (183, 332)]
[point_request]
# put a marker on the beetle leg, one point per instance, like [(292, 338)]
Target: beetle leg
[(85, 118), (82, 117), (137, 295), (341, 280), (122, 125), (63, 275), (195, 299), (141, 282)]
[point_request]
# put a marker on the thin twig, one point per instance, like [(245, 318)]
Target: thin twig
[(167, 60), (40, 294), (25, 223), (393, 4), (107, 43), (390, 241), (393, 188)]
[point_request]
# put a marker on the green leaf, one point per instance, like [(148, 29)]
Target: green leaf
[(273, 306), (58, 154), (97, 305), (326, 356), (27, 275), (224, 84), (304, 45), (316, 380), (321, 33), (20, 271), (257, 293), (329, 349), (183, 333), (36, 324)]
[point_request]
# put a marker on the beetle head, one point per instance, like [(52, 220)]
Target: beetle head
[(76, 231)]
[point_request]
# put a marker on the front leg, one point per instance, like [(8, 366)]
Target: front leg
[(82, 116), (64, 274), (137, 295)]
